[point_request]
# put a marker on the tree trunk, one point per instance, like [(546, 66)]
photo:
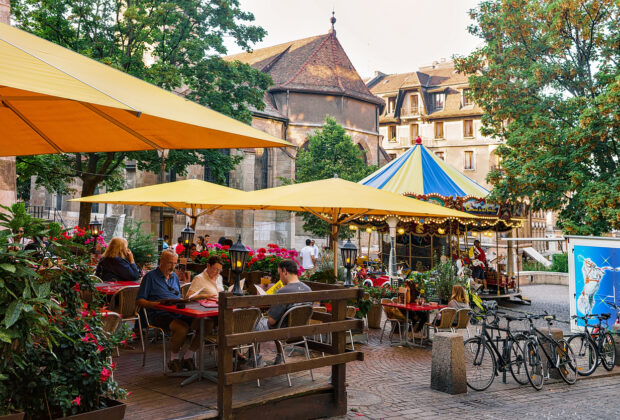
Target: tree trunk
[(88, 188)]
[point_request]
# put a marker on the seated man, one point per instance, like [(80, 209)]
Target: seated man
[(209, 283), (287, 270), (161, 284)]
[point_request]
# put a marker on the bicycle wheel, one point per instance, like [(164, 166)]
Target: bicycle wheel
[(607, 351), (517, 362), (585, 354), (533, 364), (480, 364), (567, 363)]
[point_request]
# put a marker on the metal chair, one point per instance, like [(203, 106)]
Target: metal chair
[(445, 323), (462, 321), (350, 314), (127, 308), (163, 339), (244, 320), (395, 318), (184, 289), (296, 316)]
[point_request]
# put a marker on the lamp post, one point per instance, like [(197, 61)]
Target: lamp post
[(238, 257), (187, 236), (95, 231), (163, 154), (349, 253)]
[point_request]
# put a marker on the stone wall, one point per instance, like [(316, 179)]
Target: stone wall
[(542, 277)]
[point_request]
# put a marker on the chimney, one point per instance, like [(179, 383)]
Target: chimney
[(5, 11)]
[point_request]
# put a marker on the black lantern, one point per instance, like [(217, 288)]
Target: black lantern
[(238, 256), (95, 231), (187, 236), (349, 254)]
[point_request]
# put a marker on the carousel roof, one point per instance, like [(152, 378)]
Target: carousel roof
[(420, 172)]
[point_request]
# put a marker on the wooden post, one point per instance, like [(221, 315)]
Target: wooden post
[(224, 358), (339, 309), (432, 261), (335, 229)]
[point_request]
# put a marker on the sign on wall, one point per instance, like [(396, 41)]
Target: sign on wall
[(594, 277)]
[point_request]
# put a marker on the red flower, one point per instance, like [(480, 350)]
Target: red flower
[(261, 250), (251, 253), (105, 374), (77, 400), (113, 365), (204, 253), (226, 247), (195, 254), (76, 287), (99, 348), (261, 256)]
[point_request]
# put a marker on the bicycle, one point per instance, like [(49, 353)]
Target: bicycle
[(484, 360), (593, 349), (560, 355)]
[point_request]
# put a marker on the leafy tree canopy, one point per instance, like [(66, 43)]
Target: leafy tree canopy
[(176, 45), (547, 78), (330, 151)]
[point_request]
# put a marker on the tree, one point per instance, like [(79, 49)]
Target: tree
[(330, 152), (547, 78), (176, 45)]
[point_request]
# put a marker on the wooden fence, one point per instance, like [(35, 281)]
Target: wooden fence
[(327, 401)]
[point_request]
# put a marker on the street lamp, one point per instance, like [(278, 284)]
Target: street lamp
[(349, 253), (238, 256), (163, 154), (95, 231), (187, 236)]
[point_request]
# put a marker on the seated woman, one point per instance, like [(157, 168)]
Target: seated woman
[(117, 263), (209, 283), (458, 300)]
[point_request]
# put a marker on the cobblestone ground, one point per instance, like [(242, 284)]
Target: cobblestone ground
[(394, 382)]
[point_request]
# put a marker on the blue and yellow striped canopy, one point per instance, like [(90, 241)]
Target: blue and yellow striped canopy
[(420, 172)]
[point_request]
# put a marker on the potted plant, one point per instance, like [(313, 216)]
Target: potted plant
[(374, 311), (54, 350), (143, 246)]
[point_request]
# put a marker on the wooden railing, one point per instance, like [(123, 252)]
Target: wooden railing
[(327, 401)]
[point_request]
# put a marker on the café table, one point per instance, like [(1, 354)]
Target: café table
[(411, 307), (201, 311), (111, 287)]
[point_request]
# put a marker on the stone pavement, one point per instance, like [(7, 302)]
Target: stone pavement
[(394, 382)]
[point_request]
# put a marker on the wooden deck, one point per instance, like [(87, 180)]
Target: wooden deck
[(156, 396)]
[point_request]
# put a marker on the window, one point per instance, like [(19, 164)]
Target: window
[(467, 101), (413, 132), (469, 160), (440, 155), (413, 102), (391, 105), (438, 100), (468, 128), (439, 130), (391, 133)]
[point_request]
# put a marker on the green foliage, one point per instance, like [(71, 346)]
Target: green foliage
[(324, 270), (330, 152), (377, 293), (442, 279), (54, 351), (143, 246), (185, 40), (559, 263), (20, 218), (547, 77)]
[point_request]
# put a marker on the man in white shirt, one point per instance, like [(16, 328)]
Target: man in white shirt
[(307, 256), (316, 251)]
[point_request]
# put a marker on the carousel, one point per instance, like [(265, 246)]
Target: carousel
[(413, 243)]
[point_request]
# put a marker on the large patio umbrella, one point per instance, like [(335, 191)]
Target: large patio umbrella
[(338, 202), (183, 196), (55, 100)]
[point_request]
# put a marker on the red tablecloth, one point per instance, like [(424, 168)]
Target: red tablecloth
[(109, 288), (414, 307), (193, 309), (328, 306)]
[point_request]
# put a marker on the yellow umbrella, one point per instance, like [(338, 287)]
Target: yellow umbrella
[(58, 101), (337, 202), (178, 195)]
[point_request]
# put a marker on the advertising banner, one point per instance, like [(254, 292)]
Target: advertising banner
[(594, 277)]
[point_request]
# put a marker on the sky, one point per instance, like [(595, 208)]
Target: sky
[(393, 36)]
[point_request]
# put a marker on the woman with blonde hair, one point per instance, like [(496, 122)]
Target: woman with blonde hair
[(459, 298), (117, 263)]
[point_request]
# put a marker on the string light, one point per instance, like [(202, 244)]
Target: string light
[(401, 231)]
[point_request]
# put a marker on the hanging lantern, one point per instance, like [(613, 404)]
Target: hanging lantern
[(349, 254), (95, 228), (187, 236), (238, 254)]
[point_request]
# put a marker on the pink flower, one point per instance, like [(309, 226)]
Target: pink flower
[(261, 250), (124, 342), (261, 256), (99, 348), (84, 314), (77, 400), (105, 374), (113, 365)]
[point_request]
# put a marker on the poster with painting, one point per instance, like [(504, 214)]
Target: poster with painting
[(594, 277)]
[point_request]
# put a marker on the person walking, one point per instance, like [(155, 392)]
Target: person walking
[(307, 256)]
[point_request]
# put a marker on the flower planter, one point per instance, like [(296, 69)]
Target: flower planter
[(374, 316), (114, 411), (14, 416)]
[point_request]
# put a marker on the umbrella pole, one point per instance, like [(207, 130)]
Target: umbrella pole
[(335, 229)]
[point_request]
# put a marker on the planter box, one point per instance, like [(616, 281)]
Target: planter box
[(14, 416), (374, 316), (115, 411)]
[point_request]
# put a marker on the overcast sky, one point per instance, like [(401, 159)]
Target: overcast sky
[(394, 36)]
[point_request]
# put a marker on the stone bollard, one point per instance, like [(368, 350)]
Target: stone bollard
[(557, 334), (448, 366), (615, 332)]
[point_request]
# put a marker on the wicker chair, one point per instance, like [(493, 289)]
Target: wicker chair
[(244, 320), (395, 318), (296, 316), (111, 321), (127, 308), (462, 321), (322, 309), (350, 314), (185, 288), (445, 323)]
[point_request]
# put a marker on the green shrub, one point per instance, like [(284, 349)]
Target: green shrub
[(143, 246), (560, 263)]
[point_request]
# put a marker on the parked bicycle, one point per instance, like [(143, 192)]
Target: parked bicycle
[(593, 348), (483, 358), (558, 353)]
